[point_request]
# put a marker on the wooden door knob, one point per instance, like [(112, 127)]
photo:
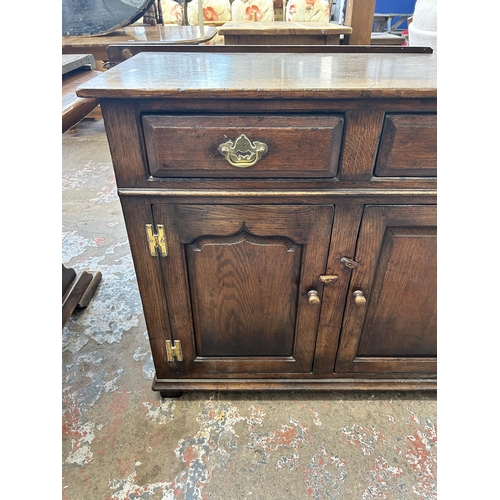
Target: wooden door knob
[(313, 298), (359, 298)]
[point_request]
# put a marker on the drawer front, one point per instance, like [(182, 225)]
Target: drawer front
[(408, 146), (255, 146)]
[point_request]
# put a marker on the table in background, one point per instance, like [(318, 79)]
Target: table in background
[(385, 38), (282, 33), (97, 45), (76, 69), (77, 287)]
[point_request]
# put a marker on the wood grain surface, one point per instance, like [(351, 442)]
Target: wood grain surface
[(268, 76)]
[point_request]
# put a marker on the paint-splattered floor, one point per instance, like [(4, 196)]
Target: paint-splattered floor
[(122, 441)]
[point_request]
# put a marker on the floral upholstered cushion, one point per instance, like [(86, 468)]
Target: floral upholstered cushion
[(253, 10), (171, 12), (308, 10), (214, 11)]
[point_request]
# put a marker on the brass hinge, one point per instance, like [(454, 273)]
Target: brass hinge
[(174, 352), (157, 240)]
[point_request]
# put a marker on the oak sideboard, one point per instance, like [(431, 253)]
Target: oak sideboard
[(281, 214)]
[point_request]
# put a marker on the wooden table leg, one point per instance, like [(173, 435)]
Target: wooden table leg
[(359, 15)]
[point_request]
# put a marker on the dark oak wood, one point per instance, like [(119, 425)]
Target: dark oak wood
[(268, 76), (233, 277), (245, 246), (292, 143), (408, 146), (68, 276), (138, 213), (344, 384), (344, 234), (135, 172), (237, 266), (77, 290), (397, 327), (362, 136)]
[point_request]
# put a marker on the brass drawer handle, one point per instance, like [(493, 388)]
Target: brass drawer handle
[(243, 153)]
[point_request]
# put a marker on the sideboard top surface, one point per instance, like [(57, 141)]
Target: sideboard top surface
[(269, 75)]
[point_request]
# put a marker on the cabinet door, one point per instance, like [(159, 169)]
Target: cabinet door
[(237, 279), (390, 317)]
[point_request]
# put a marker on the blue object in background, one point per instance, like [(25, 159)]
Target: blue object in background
[(395, 7)]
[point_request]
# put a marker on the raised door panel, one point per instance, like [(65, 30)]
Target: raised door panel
[(237, 280), (392, 326), (233, 278)]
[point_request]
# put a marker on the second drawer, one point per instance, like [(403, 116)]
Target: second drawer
[(243, 146)]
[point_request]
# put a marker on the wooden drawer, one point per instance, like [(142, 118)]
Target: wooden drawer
[(408, 146), (243, 146)]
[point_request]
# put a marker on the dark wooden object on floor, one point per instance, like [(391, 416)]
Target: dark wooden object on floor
[(77, 288), (281, 213)]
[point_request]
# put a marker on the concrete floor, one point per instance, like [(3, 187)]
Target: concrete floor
[(122, 441)]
